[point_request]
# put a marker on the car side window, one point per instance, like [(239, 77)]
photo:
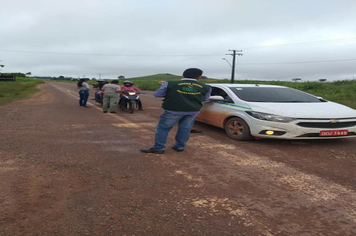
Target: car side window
[(221, 92)]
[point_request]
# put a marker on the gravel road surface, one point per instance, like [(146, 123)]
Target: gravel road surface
[(68, 170)]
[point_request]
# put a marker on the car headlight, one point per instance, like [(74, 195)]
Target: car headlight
[(269, 117)]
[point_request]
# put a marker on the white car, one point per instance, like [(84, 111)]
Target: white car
[(248, 111)]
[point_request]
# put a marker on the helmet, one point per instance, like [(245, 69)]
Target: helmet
[(103, 80), (128, 83)]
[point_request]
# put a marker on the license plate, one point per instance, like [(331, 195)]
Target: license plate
[(333, 132)]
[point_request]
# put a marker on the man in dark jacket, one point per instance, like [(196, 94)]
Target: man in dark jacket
[(182, 103)]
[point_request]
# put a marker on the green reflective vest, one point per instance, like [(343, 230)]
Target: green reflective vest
[(185, 95)]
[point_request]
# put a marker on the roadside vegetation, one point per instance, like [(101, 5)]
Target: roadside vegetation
[(21, 88), (342, 91)]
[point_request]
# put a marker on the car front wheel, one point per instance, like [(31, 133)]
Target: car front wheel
[(237, 128)]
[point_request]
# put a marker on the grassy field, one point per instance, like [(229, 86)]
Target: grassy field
[(21, 88), (343, 91)]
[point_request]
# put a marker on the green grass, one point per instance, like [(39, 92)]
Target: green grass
[(342, 91), (21, 88)]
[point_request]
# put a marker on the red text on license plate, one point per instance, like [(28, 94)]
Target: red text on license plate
[(333, 132)]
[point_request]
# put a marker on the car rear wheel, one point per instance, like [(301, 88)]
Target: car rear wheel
[(237, 128)]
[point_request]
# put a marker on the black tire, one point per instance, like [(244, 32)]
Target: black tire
[(121, 105), (131, 107), (236, 128)]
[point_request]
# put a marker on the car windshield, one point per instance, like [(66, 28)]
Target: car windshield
[(270, 94)]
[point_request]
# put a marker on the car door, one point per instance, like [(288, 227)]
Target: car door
[(214, 112)]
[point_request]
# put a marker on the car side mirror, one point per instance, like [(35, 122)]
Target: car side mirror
[(216, 98), (322, 99)]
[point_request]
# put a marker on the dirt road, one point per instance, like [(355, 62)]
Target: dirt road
[(67, 170)]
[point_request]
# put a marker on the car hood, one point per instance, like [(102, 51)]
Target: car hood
[(305, 110)]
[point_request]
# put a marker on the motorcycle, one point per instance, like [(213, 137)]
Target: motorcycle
[(129, 101), (99, 97)]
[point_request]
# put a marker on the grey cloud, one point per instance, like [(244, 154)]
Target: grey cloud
[(136, 38)]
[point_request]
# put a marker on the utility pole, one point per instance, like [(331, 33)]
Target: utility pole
[(234, 54)]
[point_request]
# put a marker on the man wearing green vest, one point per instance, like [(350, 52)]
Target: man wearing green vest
[(182, 103)]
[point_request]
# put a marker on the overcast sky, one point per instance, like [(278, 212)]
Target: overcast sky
[(279, 39)]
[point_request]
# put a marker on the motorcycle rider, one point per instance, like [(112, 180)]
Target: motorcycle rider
[(99, 86), (128, 86)]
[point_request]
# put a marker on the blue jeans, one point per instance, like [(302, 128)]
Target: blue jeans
[(83, 97), (97, 96), (166, 123)]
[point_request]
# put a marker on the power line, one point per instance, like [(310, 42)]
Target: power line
[(246, 64), (183, 55), (305, 43), (297, 62), (103, 54), (207, 55)]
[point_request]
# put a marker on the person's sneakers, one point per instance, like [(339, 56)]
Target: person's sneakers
[(105, 111), (177, 149), (112, 111), (152, 150)]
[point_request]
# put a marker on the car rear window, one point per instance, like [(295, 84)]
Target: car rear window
[(269, 94)]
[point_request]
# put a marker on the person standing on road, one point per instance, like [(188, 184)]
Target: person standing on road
[(83, 92), (110, 96), (182, 103)]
